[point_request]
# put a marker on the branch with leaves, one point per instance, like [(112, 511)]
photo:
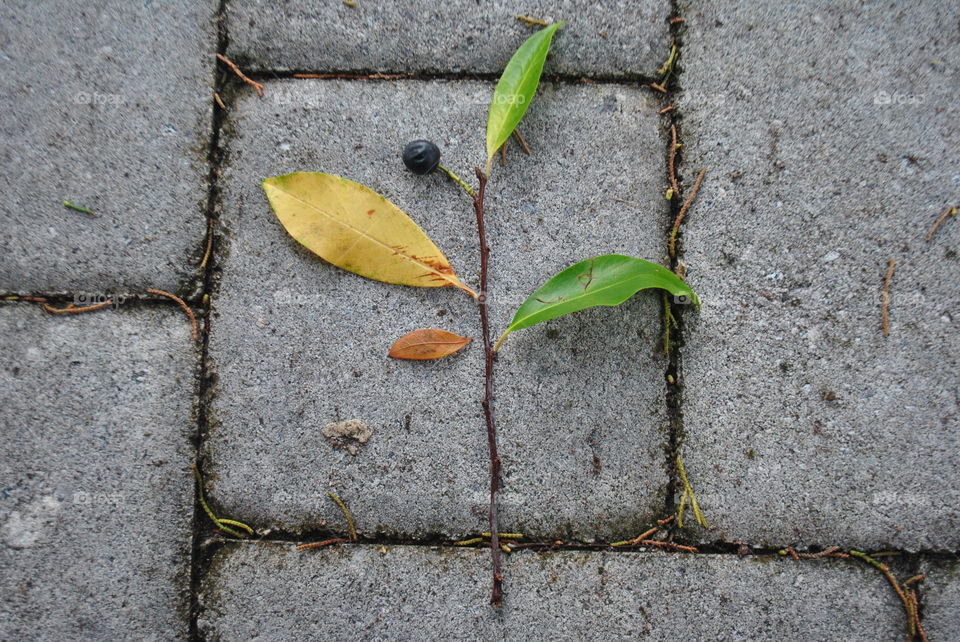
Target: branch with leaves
[(354, 228)]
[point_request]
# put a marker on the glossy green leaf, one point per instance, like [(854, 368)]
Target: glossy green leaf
[(516, 88), (607, 280)]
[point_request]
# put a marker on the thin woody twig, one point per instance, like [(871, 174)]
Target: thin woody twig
[(951, 211), (672, 243), (832, 551), (918, 625), (496, 596), (672, 161), (667, 109), (885, 298), (523, 142), (219, 101), (883, 568), (326, 542), (659, 88), (670, 546), (184, 307), (31, 299), (240, 74), (72, 309), (207, 252), (636, 540)]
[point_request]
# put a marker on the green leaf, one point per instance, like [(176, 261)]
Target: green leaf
[(607, 280), (516, 88)]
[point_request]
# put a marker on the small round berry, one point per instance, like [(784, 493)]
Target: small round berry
[(421, 156)]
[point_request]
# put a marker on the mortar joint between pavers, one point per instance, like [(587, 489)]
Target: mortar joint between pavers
[(673, 376), (267, 75), (201, 553)]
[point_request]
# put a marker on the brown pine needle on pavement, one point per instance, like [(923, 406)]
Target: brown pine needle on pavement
[(951, 211), (73, 309), (240, 74), (326, 542), (186, 308)]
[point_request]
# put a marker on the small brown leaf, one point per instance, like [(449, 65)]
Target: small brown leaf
[(427, 343)]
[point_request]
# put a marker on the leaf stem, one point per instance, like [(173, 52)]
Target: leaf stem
[(496, 596), (459, 181)]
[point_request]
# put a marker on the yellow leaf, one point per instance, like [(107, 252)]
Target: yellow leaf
[(353, 227), (428, 343)]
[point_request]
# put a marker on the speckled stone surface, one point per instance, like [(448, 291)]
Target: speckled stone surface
[(107, 105), (611, 39), (804, 424), (399, 592), (96, 506)]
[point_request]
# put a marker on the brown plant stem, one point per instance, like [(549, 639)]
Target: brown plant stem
[(73, 309), (951, 211), (672, 162), (326, 542), (253, 83), (195, 328), (496, 596), (672, 242)]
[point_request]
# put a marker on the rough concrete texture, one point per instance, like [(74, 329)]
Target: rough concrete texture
[(832, 146), (462, 36), (106, 105), (297, 343), (97, 499), (398, 593), (940, 598)]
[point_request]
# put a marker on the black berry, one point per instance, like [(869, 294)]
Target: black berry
[(421, 156)]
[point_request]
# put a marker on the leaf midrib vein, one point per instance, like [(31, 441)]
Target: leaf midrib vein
[(452, 280), (580, 296)]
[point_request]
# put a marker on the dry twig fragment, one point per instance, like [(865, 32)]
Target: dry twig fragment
[(672, 243), (672, 161), (240, 74), (183, 306), (73, 309), (326, 542), (951, 211)]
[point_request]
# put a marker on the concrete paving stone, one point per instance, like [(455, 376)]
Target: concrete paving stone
[(399, 592), (107, 105), (940, 599), (97, 495), (613, 39), (830, 136), (297, 343)]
